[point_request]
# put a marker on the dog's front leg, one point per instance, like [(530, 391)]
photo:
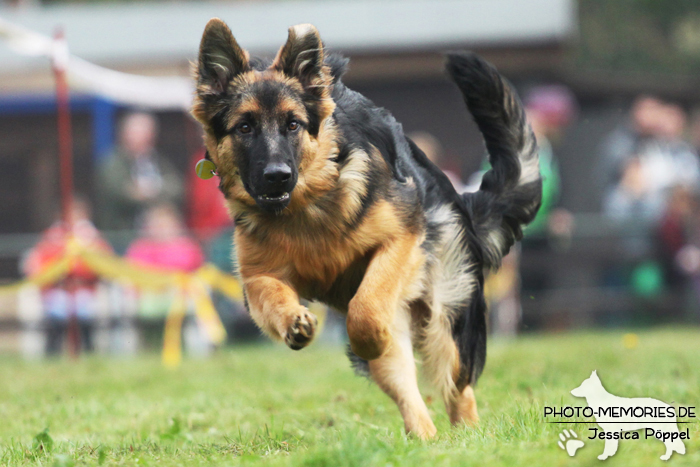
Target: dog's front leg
[(371, 311), (379, 328), (275, 308)]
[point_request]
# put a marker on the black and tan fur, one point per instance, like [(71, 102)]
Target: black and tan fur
[(333, 203)]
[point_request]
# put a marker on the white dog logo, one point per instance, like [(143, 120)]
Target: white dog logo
[(598, 398)]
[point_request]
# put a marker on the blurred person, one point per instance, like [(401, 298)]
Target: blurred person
[(672, 160), (209, 220), (679, 246), (163, 244), (633, 198), (694, 130), (620, 145), (74, 296), (135, 176), (688, 260), (236, 319), (207, 215), (649, 196), (435, 152), (675, 232), (648, 160), (549, 109)]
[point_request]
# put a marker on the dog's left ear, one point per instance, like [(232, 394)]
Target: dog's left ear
[(302, 57)]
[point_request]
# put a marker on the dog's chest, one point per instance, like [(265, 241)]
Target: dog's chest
[(337, 288), (321, 260), (316, 264)]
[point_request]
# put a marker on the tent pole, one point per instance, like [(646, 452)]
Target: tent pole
[(65, 139), (59, 62)]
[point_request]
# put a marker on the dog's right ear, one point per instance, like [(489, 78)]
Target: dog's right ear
[(220, 58), (302, 57)]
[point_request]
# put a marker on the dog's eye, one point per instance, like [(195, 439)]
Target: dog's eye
[(293, 125), (244, 128)]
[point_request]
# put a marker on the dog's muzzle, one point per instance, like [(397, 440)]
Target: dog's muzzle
[(279, 181)]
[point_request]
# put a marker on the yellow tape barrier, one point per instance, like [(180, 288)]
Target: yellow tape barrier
[(189, 286)]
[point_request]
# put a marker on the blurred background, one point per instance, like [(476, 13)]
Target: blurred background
[(611, 88)]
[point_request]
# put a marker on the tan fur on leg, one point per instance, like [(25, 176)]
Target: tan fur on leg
[(395, 373), (462, 408)]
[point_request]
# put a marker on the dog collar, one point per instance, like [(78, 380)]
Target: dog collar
[(205, 169)]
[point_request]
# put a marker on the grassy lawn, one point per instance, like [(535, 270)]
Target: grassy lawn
[(268, 405)]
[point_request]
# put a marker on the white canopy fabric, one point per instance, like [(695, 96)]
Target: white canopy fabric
[(115, 33), (156, 93), (169, 32)]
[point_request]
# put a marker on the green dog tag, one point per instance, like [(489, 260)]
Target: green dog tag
[(205, 169)]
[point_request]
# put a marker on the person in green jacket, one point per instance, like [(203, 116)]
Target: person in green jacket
[(549, 110), (135, 176)]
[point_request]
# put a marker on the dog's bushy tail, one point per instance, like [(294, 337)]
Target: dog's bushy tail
[(511, 191)]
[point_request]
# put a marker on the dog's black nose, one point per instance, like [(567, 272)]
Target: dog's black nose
[(277, 174)]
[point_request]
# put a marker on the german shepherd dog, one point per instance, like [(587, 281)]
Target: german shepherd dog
[(332, 202)]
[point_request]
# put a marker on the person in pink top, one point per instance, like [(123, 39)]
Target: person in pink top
[(164, 244)]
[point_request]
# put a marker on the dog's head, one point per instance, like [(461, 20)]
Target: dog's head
[(588, 387), (262, 123)]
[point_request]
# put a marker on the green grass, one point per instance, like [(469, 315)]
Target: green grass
[(270, 406)]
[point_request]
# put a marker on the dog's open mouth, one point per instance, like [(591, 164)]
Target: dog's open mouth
[(274, 201), (275, 197)]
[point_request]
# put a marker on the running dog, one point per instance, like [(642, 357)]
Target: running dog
[(332, 202)]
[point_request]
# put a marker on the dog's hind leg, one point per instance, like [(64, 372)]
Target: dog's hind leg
[(462, 407), (395, 373), (442, 365)]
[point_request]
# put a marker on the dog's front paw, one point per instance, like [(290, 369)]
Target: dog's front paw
[(301, 331)]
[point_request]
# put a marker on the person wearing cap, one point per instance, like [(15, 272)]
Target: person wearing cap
[(549, 110)]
